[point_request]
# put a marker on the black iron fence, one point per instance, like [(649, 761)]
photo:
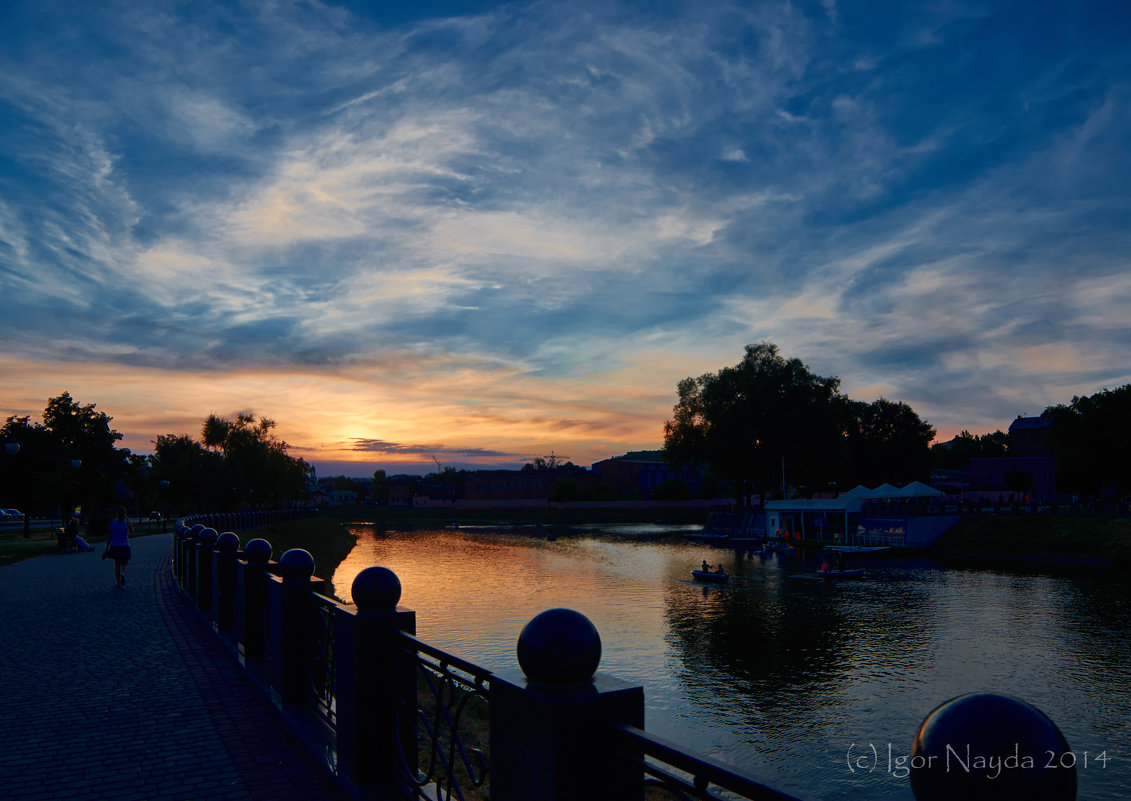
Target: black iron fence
[(413, 721)]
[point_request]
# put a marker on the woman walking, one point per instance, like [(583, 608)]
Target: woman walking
[(118, 545)]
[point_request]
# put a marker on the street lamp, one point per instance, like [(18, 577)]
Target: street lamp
[(164, 485), (67, 511), (12, 448)]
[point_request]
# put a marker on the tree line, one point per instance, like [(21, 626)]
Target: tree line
[(769, 421), (70, 459), (1091, 439)]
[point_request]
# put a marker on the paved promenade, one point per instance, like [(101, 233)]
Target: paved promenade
[(115, 693)]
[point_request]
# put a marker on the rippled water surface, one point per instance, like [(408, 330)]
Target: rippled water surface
[(778, 675)]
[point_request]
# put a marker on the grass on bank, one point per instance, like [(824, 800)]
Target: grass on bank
[(14, 547), (326, 538), (1069, 536)]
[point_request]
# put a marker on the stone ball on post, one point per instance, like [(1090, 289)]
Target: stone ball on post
[(207, 536), (296, 565), (559, 648), (228, 542), (196, 529), (982, 746), (257, 551), (376, 589)]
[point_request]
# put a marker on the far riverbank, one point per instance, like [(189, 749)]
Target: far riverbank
[(1062, 539), (546, 516)]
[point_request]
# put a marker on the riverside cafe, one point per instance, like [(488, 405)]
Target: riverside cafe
[(861, 516)]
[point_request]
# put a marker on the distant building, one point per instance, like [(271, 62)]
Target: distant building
[(407, 490), (952, 482), (516, 485), (1029, 436), (988, 476), (636, 474), (402, 489)]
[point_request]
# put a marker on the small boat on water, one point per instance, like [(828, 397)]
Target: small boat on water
[(828, 575), (777, 547), (836, 574), (710, 576), (850, 549), (834, 567)]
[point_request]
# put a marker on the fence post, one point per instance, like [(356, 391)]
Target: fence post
[(1023, 754), (251, 597), (546, 743), (224, 580), (204, 542), (290, 625), (190, 559), (374, 681), (180, 531)]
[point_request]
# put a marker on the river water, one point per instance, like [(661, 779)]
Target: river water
[(784, 678)]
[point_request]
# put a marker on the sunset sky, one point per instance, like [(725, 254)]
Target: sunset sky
[(479, 232)]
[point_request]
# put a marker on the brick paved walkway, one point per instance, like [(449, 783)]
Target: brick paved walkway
[(115, 693)]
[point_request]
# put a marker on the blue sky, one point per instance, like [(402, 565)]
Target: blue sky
[(480, 232)]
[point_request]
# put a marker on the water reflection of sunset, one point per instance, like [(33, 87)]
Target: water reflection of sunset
[(771, 674), (473, 593)]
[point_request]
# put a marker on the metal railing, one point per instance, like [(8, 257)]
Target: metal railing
[(322, 657), (451, 724), (667, 770)]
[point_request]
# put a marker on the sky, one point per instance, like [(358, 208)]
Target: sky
[(477, 233)]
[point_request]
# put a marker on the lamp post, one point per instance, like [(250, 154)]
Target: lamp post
[(66, 510), (12, 448), (164, 485)]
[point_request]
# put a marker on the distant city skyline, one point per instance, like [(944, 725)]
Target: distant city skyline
[(479, 232)]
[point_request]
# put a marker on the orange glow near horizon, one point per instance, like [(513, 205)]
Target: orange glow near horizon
[(496, 417), (466, 413)]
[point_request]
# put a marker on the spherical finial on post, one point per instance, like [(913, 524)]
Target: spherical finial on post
[(376, 589), (296, 565), (228, 542), (559, 647), (257, 551), (207, 536), (983, 746)]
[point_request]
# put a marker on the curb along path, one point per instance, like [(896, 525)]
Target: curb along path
[(116, 692)]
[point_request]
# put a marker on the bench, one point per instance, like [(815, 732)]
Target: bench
[(66, 541)]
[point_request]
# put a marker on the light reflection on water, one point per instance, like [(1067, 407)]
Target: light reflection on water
[(773, 674)]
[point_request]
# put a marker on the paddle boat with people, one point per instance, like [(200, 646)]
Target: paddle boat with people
[(835, 566), (710, 575)]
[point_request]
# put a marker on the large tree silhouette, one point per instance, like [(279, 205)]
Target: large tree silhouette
[(750, 422)]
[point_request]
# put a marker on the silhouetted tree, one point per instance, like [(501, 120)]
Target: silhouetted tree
[(957, 453), (888, 443), (380, 487), (68, 460), (745, 421), (193, 474), (1091, 437)]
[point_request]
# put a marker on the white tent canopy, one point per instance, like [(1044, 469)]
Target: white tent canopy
[(916, 489)]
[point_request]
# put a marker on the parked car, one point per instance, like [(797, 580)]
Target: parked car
[(7, 515)]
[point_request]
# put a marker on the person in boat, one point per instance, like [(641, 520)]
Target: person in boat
[(706, 567), (825, 568), (719, 570)]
